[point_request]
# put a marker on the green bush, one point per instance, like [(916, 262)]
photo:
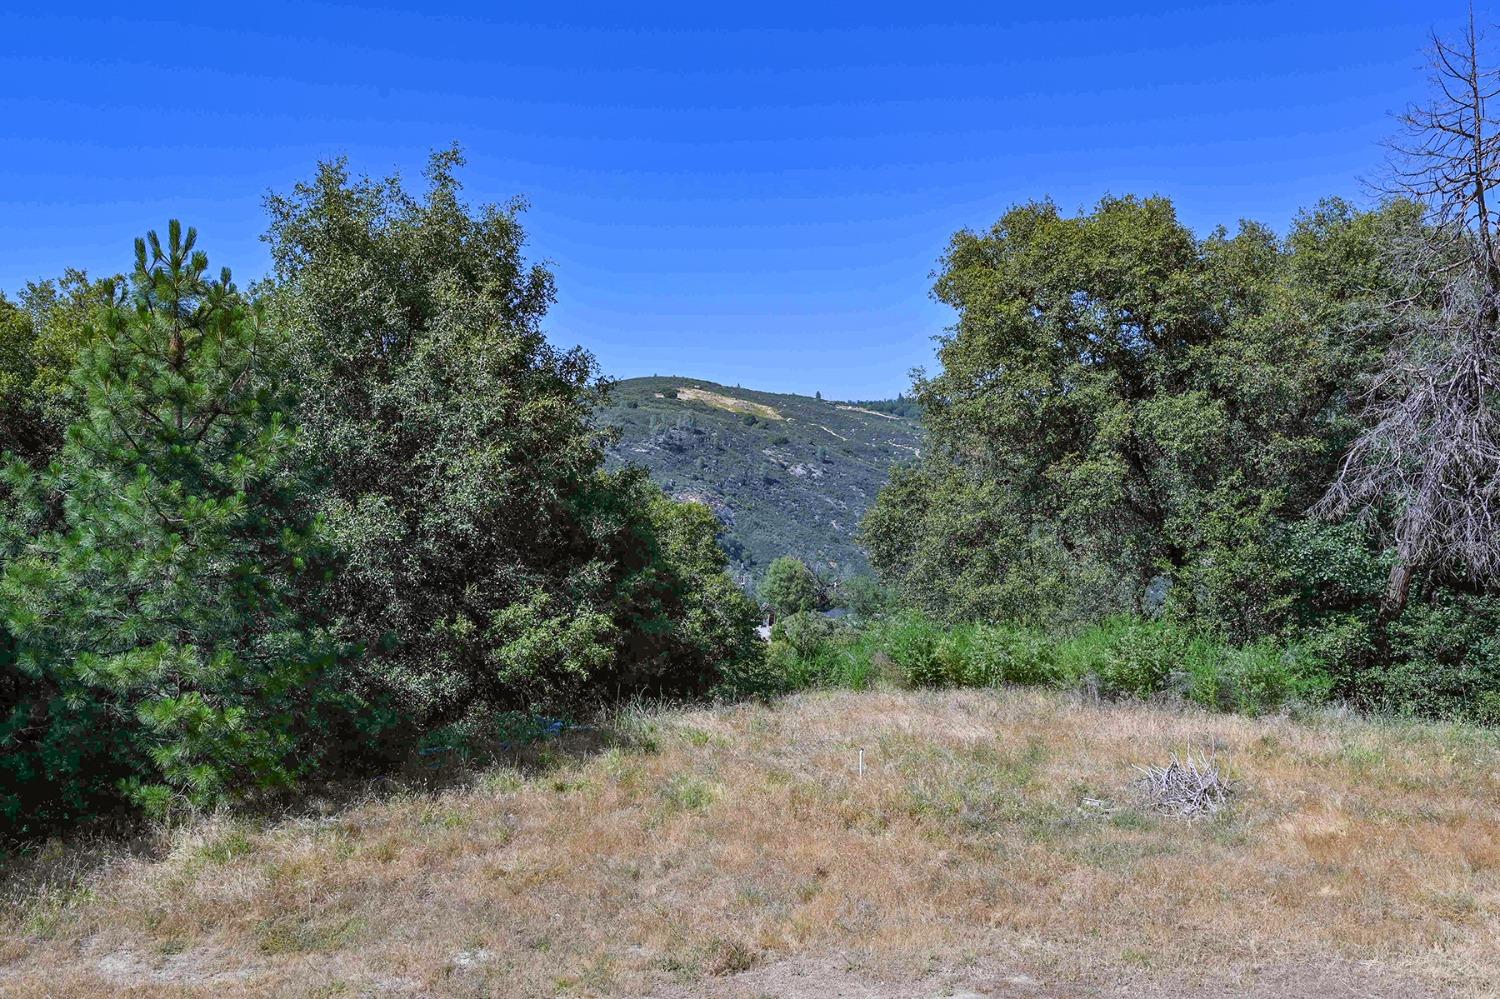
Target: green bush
[(805, 631), (1440, 658), (488, 559), (1257, 679), (1444, 660), (907, 643), (1144, 658), (1008, 655), (1120, 657), (809, 650)]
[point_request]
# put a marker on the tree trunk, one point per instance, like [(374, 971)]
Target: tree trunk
[(1396, 591)]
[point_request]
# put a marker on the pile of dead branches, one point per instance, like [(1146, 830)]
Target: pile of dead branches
[(1185, 787)]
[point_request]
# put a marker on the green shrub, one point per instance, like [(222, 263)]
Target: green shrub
[(809, 650), (909, 643), (1119, 657), (805, 631), (1141, 659), (1257, 679), (1440, 658), (1444, 660), (488, 558), (831, 663), (1011, 655)]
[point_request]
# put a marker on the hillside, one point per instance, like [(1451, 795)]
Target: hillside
[(989, 845), (786, 474)]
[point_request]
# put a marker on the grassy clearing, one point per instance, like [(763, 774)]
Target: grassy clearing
[(994, 844)]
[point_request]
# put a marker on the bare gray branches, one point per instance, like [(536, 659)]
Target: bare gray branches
[(1447, 158), (1185, 787), (1428, 462)]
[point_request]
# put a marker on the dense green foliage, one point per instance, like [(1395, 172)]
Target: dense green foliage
[(1119, 398), (1441, 661), (18, 417), (40, 340), (160, 563), (489, 561), (1116, 657), (254, 540), (1130, 420), (794, 485), (790, 587)]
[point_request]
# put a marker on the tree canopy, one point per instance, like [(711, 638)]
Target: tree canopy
[(789, 586), (1122, 405)]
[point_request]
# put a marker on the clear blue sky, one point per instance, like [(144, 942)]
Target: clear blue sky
[(751, 193)]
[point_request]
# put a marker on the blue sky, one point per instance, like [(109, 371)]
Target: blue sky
[(747, 193)]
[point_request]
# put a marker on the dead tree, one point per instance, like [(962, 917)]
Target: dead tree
[(1427, 465)]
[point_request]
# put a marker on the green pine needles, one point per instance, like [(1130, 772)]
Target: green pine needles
[(161, 646)]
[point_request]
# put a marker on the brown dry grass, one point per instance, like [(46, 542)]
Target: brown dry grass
[(736, 852), (760, 409)]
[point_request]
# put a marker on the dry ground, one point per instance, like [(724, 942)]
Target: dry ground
[(739, 853), (718, 399)]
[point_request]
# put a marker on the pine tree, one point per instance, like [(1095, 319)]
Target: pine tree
[(154, 594)]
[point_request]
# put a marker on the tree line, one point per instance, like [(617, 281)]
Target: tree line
[(1257, 436)]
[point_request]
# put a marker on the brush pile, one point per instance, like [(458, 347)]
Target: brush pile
[(1186, 787)]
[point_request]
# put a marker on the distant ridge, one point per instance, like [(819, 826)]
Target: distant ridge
[(786, 474)]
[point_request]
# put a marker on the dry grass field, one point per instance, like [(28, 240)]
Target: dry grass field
[(993, 846)]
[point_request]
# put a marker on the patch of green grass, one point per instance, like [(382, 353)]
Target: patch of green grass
[(690, 793), (437, 817), (635, 729), (227, 848), (1363, 760), (46, 918), (728, 956), (683, 968), (694, 736), (300, 934), (502, 780), (1131, 819), (568, 783)]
